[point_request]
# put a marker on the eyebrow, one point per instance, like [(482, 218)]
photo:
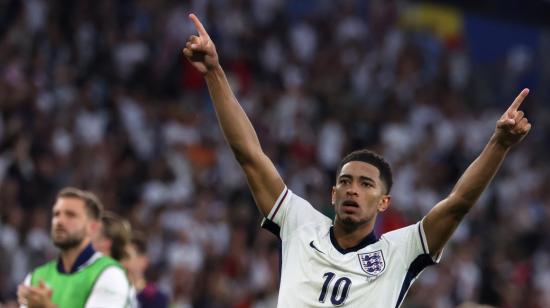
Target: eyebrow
[(361, 178)]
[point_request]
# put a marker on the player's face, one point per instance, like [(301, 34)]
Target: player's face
[(135, 263), (359, 194), (70, 223), (101, 242)]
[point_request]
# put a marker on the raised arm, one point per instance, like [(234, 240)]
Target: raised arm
[(443, 219), (263, 179)]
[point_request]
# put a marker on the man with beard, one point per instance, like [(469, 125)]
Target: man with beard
[(80, 277), (343, 263)]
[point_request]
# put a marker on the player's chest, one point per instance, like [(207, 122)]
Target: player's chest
[(325, 277)]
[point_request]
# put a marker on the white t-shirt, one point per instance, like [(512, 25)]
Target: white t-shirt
[(316, 272), (111, 288)]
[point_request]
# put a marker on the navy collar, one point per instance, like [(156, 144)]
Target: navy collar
[(82, 258), (367, 240)]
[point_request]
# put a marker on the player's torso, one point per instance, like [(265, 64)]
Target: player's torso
[(315, 274)]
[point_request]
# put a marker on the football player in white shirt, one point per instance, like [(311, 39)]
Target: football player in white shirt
[(329, 263)]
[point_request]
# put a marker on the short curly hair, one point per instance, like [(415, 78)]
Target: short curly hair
[(372, 158)]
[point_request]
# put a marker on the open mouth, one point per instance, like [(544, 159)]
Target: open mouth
[(350, 203)]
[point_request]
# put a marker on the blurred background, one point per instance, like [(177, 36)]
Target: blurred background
[(96, 94)]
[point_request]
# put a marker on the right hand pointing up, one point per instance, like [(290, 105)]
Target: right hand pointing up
[(200, 50)]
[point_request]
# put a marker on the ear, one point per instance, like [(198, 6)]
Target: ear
[(333, 195), (94, 227), (145, 262), (384, 203)]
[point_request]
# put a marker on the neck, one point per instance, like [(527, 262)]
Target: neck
[(69, 256), (139, 283), (348, 237)]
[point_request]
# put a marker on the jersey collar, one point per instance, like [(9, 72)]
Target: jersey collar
[(367, 240), (82, 259)]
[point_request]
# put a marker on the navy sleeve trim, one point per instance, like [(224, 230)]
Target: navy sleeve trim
[(424, 245), (278, 205), (275, 229), (417, 266), (272, 227)]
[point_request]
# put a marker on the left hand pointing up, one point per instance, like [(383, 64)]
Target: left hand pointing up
[(513, 126)]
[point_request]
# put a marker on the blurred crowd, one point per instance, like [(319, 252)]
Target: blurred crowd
[(96, 94)]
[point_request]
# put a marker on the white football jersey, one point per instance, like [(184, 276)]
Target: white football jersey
[(317, 272)]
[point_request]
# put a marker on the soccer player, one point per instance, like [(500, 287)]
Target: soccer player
[(80, 277), (112, 240), (113, 237), (329, 263)]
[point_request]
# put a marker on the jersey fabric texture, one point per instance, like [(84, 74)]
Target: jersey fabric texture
[(75, 288), (317, 272)]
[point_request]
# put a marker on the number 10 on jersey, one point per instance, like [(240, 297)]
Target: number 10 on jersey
[(339, 289)]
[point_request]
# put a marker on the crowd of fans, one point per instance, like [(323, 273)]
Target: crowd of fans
[(96, 94)]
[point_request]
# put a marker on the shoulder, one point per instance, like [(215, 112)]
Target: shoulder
[(98, 263), (402, 234), (301, 206), (46, 269), (27, 280), (112, 278), (292, 212), (106, 261), (410, 243), (49, 264), (111, 289), (110, 270)]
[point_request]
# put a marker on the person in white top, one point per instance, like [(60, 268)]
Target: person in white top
[(113, 240), (80, 277), (340, 262)]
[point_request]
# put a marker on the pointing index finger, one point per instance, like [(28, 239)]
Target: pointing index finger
[(519, 99), (199, 26)]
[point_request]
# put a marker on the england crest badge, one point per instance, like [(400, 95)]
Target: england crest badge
[(372, 263)]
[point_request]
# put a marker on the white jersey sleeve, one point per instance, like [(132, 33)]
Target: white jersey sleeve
[(26, 282), (290, 212), (410, 242), (110, 290)]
